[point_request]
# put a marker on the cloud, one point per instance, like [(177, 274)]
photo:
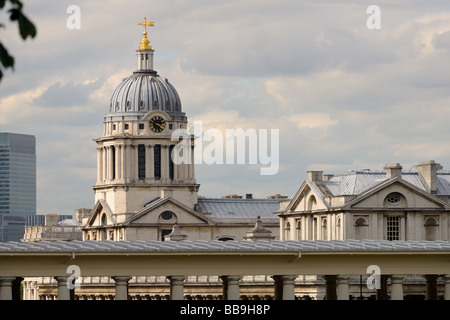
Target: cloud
[(341, 95), (66, 94)]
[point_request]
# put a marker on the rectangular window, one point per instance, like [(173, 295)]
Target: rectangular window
[(126, 126), (141, 126), (157, 161), (170, 126), (393, 228), (141, 161)]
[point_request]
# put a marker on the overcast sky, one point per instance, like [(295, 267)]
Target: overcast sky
[(343, 96)]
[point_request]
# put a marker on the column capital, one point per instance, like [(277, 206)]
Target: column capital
[(121, 279), (61, 279), (7, 279), (231, 279), (176, 279), (396, 278)]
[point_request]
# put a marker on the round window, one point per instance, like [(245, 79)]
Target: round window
[(393, 198), (166, 215)]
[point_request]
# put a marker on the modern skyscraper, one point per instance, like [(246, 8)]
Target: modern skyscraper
[(17, 183)]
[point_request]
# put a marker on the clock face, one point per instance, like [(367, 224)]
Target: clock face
[(157, 124)]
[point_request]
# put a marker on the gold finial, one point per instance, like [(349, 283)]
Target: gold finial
[(145, 42)]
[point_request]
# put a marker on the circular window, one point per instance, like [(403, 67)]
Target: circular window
[(166, 215), (393, 198)]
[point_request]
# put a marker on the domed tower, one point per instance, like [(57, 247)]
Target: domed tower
[(134, 156)]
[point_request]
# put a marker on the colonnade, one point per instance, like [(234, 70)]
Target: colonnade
[(336, 287), (119, 163)]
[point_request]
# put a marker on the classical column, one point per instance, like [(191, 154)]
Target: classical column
[(230, 287), (447, 287), (107, 164), (126, 163), (104, 164), (330, 287), (99, 165), (176, 287), (396, 287), (63, 289), (431, 286), (342, 291), (6, 288), (284, 287), (121, 287), (123, 163), (117, 162), (192, 172)]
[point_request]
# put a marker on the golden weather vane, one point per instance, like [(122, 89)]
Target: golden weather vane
[(145, 42)]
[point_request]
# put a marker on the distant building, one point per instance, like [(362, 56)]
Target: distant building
[(51, 227), (17, 183)]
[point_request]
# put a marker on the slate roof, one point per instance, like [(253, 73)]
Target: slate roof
[(221, 246), (355, 182), (239, 208)]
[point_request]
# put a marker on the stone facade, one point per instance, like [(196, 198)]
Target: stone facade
[(364, 204)]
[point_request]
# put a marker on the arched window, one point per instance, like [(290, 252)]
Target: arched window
[(361, 229), (299, 229), (287, 230), (431, 229), (338, 229), (104, 223), (104, 220), (312, 203), (324, 229)]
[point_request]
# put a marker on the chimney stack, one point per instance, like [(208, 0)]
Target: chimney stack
[(51, 219), (393, 170), (315, 175), (428, 170)]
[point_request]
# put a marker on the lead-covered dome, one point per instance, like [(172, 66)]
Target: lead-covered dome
[(145, 92)]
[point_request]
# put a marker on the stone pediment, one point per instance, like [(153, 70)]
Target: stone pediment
[(100, 210), (308, 198), (167, 210), (396, 193)]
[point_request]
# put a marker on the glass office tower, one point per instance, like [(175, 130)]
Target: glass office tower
[(17, 183)]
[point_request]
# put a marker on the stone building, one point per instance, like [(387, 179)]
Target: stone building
[(53, 229), (363, 204), (141, 190)]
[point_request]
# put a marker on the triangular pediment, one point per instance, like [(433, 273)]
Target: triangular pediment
[(307, 198), (396, 193), (159, 211), (101, 214)]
